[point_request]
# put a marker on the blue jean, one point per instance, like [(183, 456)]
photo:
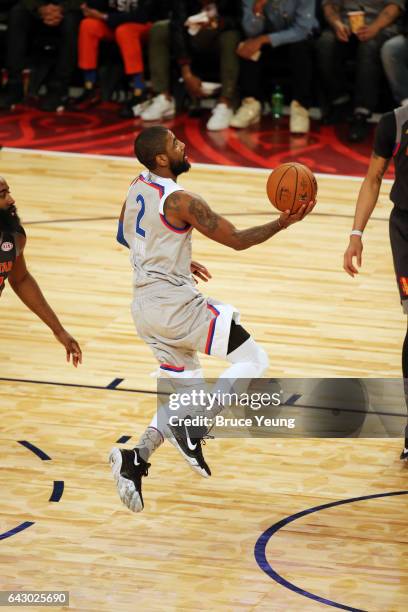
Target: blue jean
[(332, 56), (394, 55)]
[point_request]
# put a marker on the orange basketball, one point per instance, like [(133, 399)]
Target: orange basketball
[(291, 185)]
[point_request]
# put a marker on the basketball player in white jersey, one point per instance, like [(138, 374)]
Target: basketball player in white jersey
[(169, 312)]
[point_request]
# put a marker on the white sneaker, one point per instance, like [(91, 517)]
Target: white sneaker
[(128, 468), (248, 113), (138, 109), (299, 120), (159, 108), (220, 117)]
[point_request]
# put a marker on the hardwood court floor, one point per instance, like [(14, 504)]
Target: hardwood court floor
[(193, 546)]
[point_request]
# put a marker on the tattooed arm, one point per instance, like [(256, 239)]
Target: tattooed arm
[(367, 199), (184, 207)]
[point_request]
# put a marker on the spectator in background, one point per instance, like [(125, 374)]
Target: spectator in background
[(270, 24), (196, 42), (162, 106), (381, 21), (127, 22), (27, 19), (394, 55)]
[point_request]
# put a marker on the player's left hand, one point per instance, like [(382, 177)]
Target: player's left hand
[(71, 346), (200, 271), (287, 219)]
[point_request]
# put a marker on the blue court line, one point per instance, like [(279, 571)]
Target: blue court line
[(11, 532), (115, 382), (123, 439), (34, 449), (78, 386), (57, 491), (292, 399), (260, 548)]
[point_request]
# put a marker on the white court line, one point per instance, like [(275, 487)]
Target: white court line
[(232, 169)]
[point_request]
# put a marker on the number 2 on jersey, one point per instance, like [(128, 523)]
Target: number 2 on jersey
[(140, 230)]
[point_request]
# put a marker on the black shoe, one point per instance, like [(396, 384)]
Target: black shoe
[(359, 128), (53, 102), (128, 468), (89, 99), (187, 440), (12, 94), (336, 114), (404, 454)]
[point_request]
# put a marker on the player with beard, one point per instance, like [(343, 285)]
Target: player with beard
[(13, 267), (170, 314)]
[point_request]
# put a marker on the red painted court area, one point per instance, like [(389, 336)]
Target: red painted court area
[(325, 149)]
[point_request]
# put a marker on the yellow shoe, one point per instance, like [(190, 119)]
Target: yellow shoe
[(299, 121), (248, 113)]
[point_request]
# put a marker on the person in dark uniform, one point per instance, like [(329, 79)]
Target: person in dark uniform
[(391, 141), (13, 268)]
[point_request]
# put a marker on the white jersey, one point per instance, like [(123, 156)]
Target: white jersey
[(158, 250)]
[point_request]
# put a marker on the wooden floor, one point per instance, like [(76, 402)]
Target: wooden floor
[(193, 546)]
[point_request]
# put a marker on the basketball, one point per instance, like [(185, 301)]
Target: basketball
[(291, 185)]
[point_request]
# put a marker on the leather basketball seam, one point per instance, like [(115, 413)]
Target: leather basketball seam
[(311, 185), (296, 187), (280, 180)]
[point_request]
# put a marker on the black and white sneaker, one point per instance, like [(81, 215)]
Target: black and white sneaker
[(188, 442), (128, 468)]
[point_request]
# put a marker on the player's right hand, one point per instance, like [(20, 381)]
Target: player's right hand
[(354, 249), (72, 347)]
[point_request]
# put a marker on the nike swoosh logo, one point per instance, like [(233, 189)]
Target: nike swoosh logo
[(190, 446), (136, 462)]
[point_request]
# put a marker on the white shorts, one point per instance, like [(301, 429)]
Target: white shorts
[(177, 322)]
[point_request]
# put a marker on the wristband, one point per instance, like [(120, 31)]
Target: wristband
[(356, 233)]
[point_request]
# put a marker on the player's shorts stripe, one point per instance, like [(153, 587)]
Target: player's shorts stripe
[(396, 148), (171, 368), (211, 329), (173, 228)]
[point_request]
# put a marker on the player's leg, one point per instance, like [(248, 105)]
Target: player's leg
[(248, 360), (181, 374), (130, 465), (399, 245)]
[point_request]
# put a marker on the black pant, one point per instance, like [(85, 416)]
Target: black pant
[(24, 26), (332, 56), (213, 46), (298, 57)]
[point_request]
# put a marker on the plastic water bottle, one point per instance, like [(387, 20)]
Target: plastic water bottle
[(277, 103)]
